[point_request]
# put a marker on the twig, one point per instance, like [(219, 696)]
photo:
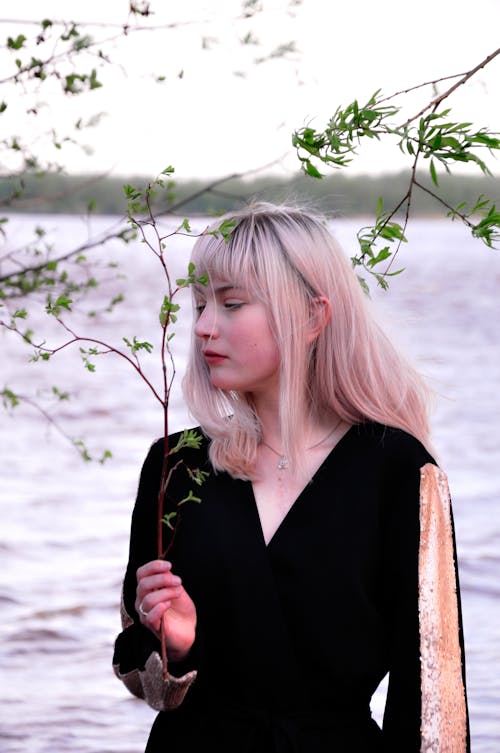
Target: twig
[(444, 203), (434, 104), (47, 416), (78, 338)]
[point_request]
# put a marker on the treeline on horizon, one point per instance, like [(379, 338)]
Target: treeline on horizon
[(338, 194)]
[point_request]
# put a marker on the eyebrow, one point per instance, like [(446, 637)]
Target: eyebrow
[(217, 288)]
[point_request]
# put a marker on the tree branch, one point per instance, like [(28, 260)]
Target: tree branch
[(434, 104)]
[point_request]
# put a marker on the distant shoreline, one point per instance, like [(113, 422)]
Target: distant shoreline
[(338, 195)]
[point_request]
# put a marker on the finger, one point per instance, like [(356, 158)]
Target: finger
[(153, 567), (161, 580), (153, 583), (153, 618), (158, 597)]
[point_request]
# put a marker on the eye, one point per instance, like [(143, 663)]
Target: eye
[(233, 305), (199, 307)]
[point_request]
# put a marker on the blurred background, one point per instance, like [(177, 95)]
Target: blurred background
[(97, 96)]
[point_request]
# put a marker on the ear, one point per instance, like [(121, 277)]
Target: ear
[(321, 312)]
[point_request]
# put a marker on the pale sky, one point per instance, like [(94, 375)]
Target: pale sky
[(214, 121)]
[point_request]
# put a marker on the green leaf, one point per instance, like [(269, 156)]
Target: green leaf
[(197, 476), (190, 498), (64, 302), (60, 395), (382, 282), (138, 345), (168, 311), (82, 449), (225, 229), (55, 308), (17, 43), (487, 140), (432, 169), (107, 454), (381, 256), (364, 285), (9, 398), (73, 83), (167, 519), (188, 438), (82, 43), (131, 192), (311, 170)]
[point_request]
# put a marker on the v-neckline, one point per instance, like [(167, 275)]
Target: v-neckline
[(326, 460)]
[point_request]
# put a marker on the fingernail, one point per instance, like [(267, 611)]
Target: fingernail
[(166, 565), (176, 581)]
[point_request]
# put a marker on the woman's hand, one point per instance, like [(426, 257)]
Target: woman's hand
[(161, 596)]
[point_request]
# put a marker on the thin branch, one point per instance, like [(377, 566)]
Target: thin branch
[(406, 199), (434, 104), (97, 24), (444, 203), (217, 182), (49, 418), (34, 200), (105, 238), (64, 257), (419, 86), (163, 488), (78, 338)]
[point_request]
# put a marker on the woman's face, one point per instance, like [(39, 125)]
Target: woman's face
[(236, 339)]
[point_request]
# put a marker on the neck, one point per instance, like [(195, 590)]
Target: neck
[(322, 437), (267, 409), (312, 429)]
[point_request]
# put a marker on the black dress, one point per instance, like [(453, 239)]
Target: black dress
[(293, 637)]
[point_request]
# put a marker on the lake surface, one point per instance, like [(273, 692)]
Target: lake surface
[(65, 523)]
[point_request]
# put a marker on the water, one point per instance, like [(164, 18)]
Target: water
[(64, 535)]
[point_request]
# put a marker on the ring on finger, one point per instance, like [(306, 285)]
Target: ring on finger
[(142, 610)]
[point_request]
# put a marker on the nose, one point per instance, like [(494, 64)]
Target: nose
[(206, 324)]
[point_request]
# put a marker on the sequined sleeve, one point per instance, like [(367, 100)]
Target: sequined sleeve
[(147, 681), (444, 714)]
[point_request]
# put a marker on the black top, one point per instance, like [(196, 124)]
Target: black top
[(293, 638)]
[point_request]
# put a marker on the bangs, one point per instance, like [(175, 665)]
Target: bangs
[(263, 253), (232, 260)]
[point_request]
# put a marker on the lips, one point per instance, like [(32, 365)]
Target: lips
[(211, 356)]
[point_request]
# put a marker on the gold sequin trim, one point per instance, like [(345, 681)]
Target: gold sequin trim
[(444, 726)]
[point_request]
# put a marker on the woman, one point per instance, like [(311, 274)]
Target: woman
[(322, 554)]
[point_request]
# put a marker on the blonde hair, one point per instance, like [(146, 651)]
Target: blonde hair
[(287, 257)]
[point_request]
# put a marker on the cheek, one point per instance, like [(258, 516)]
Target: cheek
[(267, 353)]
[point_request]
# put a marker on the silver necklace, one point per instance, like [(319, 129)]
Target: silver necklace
[(283, 460)]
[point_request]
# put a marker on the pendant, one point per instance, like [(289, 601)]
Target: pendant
[(283, 463)]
